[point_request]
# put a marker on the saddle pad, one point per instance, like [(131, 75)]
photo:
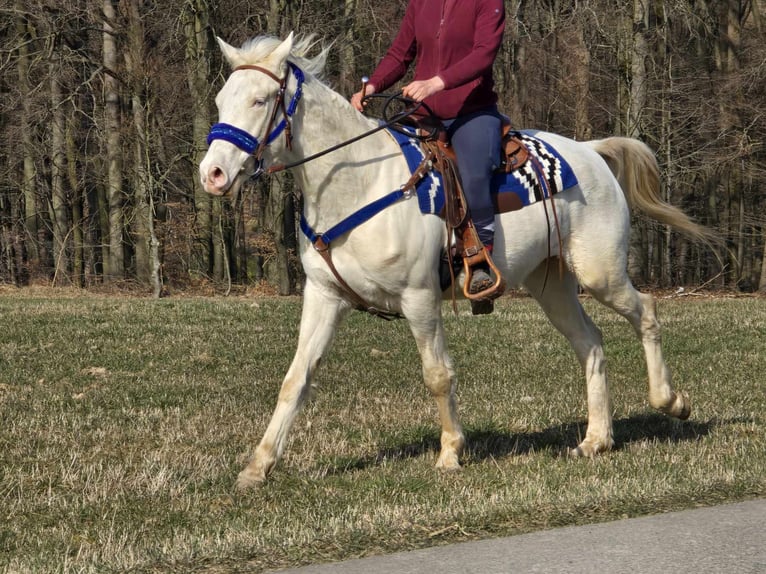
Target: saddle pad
[(430, 189), (523, 183)]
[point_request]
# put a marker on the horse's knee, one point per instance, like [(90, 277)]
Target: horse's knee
[(648, 302), (649, 326), (439, 380)]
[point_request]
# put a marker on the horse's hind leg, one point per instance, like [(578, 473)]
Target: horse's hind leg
[(319, 320), (423, 312), (557, 295), (640, 310)]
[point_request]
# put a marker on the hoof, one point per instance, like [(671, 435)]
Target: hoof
[(248, 479), (589, 449), (684, 406), (448, 462), (576, 452), (681, 407)]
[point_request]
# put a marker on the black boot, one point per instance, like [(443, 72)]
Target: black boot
[(481, 280)]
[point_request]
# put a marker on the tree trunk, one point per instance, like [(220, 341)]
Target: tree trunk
[(28, 184), (638, 72), (141, 219), (581, 78), (741, 239), (240, 240), (197, 63), (511, 60), (279, 204), (347, 80), (762, 281), (78, 242), (276, 16), (632, 94), (59, 215), (757, 16), (665, 63), (115, 267), (280, 213), (147, 244)]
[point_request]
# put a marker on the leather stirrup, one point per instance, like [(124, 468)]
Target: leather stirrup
[(475, 253)]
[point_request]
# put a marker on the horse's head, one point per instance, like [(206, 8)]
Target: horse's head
[(252, 113)]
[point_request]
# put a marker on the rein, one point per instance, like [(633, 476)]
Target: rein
[(390, 122)]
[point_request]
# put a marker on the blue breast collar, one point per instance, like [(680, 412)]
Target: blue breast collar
[(411, 150)]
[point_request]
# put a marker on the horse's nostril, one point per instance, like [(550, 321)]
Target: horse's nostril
[(217, 176)]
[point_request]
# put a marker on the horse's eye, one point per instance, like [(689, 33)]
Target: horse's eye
[(259, 102)]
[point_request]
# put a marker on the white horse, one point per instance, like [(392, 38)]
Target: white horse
[(391, 260)]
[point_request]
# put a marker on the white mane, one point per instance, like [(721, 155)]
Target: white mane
[(258, 48)]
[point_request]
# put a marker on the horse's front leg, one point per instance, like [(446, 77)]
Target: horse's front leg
[(322, 312), (424, 316)]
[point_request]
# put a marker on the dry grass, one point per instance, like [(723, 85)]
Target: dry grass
[(124, 421)]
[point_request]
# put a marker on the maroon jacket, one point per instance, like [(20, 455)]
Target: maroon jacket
[(454, 39)]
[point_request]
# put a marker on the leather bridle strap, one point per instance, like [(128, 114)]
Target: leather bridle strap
[(248, 142), (279, 104), (269, 73)]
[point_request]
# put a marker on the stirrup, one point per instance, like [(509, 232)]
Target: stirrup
[(472, 258)]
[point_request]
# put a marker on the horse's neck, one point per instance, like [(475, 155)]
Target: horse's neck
[(347, 177)]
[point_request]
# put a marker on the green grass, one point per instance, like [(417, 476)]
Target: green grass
[(124, 422)]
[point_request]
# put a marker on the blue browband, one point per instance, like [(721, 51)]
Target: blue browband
[(244, 140)]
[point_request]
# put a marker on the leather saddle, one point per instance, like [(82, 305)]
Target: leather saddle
[(468, 246)]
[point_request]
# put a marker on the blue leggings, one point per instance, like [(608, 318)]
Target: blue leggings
[(476, 140)]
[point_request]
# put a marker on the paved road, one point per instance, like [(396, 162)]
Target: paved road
[(722, 539)]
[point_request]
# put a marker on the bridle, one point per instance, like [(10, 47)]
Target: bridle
[(249, 143)]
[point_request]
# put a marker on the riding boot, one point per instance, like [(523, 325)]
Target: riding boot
[(479, 287), (480, 281)]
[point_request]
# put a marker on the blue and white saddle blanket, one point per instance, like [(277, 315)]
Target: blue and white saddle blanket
[(524, 182)]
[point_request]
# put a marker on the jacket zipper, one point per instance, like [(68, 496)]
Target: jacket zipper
[(441, 20)]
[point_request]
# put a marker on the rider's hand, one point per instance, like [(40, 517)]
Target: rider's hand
[(356, 99), (421, 89)]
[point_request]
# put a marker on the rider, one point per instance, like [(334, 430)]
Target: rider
[(454, 44)]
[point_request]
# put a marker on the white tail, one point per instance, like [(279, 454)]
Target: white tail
[(634, 165)]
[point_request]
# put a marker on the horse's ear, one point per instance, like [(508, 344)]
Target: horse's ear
[(281, 52), (229, 52)]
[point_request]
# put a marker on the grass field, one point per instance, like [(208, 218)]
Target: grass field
[(124, 422)]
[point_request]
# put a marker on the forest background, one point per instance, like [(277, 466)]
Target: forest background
[(105, 106)]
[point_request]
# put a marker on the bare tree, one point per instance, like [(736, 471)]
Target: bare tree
[(59, 215), (115, 267), (144, 236), (29, 192), (199, 49)]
